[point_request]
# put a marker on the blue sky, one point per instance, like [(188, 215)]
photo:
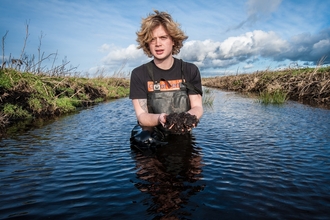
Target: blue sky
[(225, 37)]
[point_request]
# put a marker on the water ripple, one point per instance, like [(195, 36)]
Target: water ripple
[(244, 161)]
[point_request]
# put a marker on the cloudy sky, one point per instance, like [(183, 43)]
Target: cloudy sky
[(225, 37)]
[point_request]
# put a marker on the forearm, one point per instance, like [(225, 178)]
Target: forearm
[(196, 104), (197, 111), (148, 120)]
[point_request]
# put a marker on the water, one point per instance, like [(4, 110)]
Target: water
[(244, 161)]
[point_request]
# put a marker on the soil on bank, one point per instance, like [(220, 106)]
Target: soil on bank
[(308, 85), (27, 96)]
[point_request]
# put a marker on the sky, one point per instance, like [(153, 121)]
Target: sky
[(224, 37)]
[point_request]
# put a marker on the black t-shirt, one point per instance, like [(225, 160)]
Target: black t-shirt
[(140, 78)]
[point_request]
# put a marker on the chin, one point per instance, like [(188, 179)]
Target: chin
[(161, 57)]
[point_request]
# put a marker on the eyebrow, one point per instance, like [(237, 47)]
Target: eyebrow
[(161, 36)]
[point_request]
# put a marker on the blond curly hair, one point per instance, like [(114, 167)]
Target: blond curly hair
[(148, 24)]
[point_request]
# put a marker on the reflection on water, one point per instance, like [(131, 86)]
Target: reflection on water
[(245, 160), (169, 174)]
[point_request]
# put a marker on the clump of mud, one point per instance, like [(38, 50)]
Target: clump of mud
[(180, 123)]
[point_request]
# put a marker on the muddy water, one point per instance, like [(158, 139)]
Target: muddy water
[(244, 160)]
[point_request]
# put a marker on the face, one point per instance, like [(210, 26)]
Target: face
[(161, 45)]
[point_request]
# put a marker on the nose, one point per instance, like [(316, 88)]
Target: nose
[(158, 41)]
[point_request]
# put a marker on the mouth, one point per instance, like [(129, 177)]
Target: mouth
[(159, 51)]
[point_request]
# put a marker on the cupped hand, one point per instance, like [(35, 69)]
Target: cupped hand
[(162, 118)]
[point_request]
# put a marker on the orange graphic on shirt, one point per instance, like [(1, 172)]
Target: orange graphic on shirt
[(174, 85)]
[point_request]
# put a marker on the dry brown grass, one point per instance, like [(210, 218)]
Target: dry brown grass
[(309, 85)]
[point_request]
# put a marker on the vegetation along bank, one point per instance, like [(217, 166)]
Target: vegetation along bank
[(25, 95), (306, 85)]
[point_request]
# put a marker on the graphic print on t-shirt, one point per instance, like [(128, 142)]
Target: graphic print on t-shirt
[(162, 86)]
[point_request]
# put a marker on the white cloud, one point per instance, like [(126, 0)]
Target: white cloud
[(105, 48), (321, 49), (322, 44), (307, 47), (233, 50), (199, 50), (119, 54), (123, 58), (248, 66), (245, 49), (103, 33)]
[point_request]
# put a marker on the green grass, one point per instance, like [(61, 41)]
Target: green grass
[(208, 97), (275, 97), (30, 90), (27, 95), (66, 105), (35, 105), (15, 111)]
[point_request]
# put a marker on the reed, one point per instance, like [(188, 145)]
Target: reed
[(275, 97), (306, 85), (28, 90), (208, 97), (35, 63)]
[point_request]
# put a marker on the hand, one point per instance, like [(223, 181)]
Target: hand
[(162, 119), (181, 123)]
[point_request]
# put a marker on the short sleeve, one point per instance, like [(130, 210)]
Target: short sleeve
[(138, 83)]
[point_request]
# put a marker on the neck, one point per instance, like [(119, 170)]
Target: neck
[(164, 64)]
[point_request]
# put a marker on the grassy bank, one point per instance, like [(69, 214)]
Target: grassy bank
[(29, 90), (26, 95), (308, 85)]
